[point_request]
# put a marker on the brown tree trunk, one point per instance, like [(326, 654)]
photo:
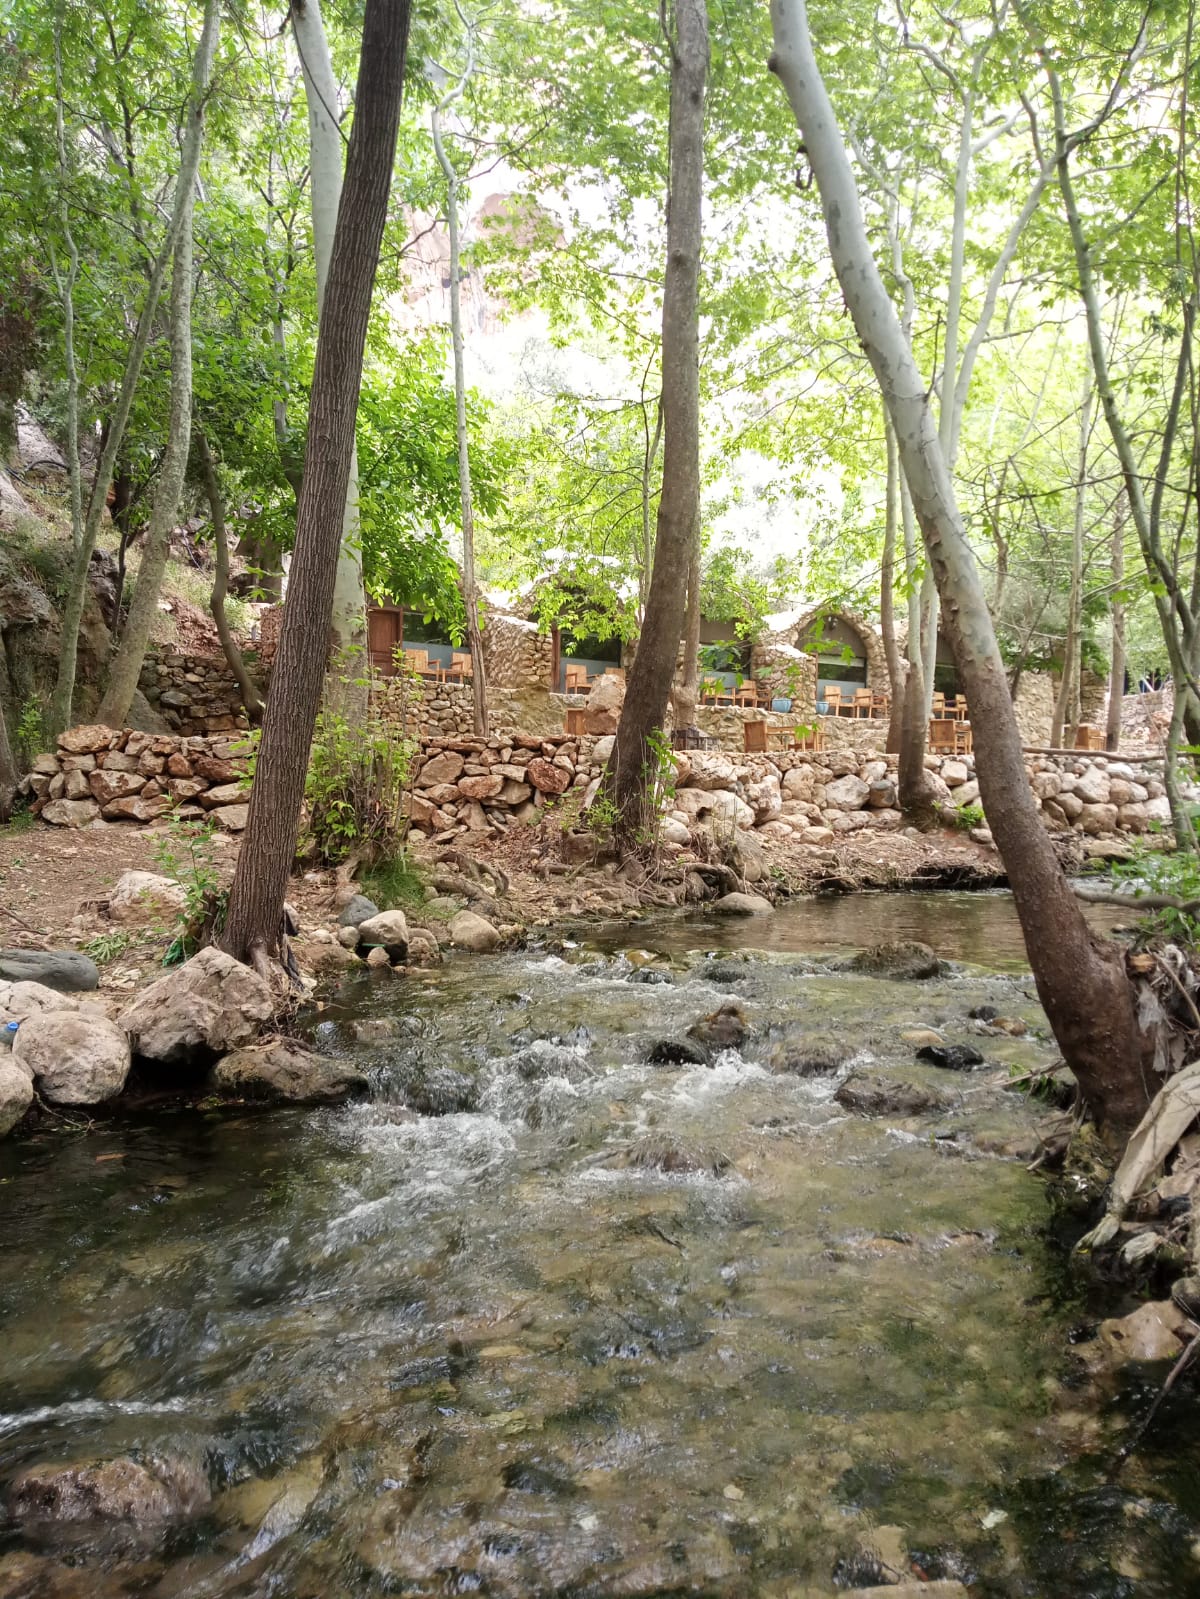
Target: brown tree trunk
[(887, 592), (251, 698), (9, 775), (631, 765), (1116, 671), (686, 694), (1081, 981), (254, 925)]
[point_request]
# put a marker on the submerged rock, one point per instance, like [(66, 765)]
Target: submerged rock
[(1154, 1331), (64, 970), (873, 1094), (282, 1073), (909, 962), (208, 1006), (950, 1057), (809, 1057), (676, 1052), (75, 1058), (441, 1091), (109, 1490), (666, 1153)]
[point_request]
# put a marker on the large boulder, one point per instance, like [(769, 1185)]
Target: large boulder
[(385, 930), (208, 1006), (75, 1058), (846, 794), (473, 932), (86, 740), (71, 812), (547, 777), (874, 1094), (282, 1073), (145, 896), (64, 970), (18, 1001), (1091, 786), (109, 1490), (445, 767), (603, 709), (358, 909), (16, 1095)]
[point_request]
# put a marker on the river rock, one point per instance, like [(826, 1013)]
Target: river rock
[(950, 1057), (357, 910), (738, 904), (109, 1490), (725, 1028), (71, 812), (75, 1059), (1095, 819), (441, 1091), (910, 962), (470, 931), (386, 928), (16, 1095), (209, 1005), (282, 1073), (1091, 786), (809, 1057), (142, 896), (874, 1094), (943, 1588), (64, 970), (1157, 1330), (676, 1052)]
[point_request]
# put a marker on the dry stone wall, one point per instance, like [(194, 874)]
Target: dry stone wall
[(194, 694), (515, 653), (104, 774)]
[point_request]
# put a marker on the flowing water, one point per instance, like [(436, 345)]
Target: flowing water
[(539, 1318)]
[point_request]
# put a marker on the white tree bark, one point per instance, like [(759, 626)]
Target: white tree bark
[(1083, 986), (466, 499), (348, 621)]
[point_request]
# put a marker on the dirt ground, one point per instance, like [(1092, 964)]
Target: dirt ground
[(55, 884)]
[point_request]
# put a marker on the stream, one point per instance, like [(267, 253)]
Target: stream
[(540, 1318)]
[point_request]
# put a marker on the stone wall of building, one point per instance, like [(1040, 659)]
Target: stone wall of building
[(782, 671), (194, 694), (1034, 706), (515, 653)]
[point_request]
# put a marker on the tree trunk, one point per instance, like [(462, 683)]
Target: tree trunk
[(1116, 671), (470, 587), (127, 664), (1066, 705), (914, 791), (649, 456), (64, 688), (686, 693), (65, 283), (887, 591), (254, 925), (251, 698), (349, 603), (1082, 982), (9, 775), (631, 769)]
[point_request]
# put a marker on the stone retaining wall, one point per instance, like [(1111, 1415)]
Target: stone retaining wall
[(194, 694)]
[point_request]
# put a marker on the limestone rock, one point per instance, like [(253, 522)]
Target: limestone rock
[(602, 750), (874, 1094), (135, 808), (737, 904), (1091, 786), (603, 709), (86, 740), (1154, 1331), (231, 818), (846, 794), (16, 1095), (209, 1005), (486, 786), (548, 778), (1096, 819), (75, 1059), (224, 794), (71, 812), (357, 910), (386, 928), (443, 768), (140, 897), (955, 773), (282, 1073), (109, 1490), (473, 932), (64, 970)]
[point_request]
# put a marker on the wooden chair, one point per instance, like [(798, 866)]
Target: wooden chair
[(460, 666), (576, 678), (746, 694), (960, 707), (833, 700), (754, 737), (419, 662), (942, 735), (964, 739), (881, 703), (809, 738), (939, 705), (862, 703)]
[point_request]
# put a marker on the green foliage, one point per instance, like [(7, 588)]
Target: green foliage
[(31, 729), (357, 777), (108, 947), (1150, 871), (185, 854), (969, 816), (393, 883)]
